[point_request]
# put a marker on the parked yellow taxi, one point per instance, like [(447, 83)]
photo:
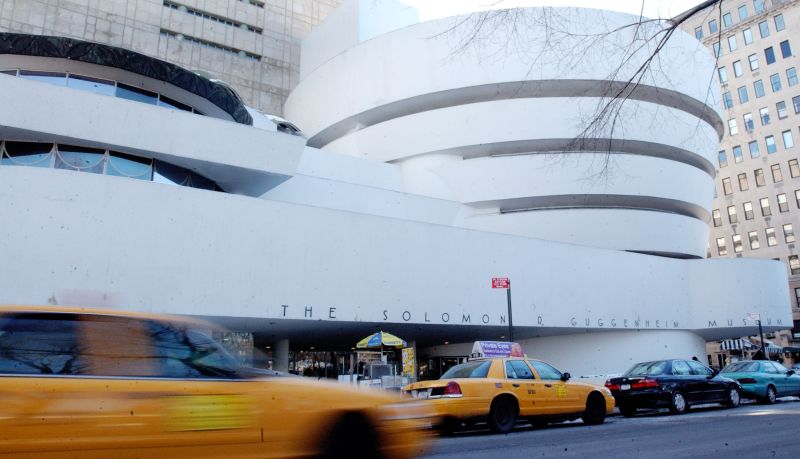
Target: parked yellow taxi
[(91, 383), (502, 390)]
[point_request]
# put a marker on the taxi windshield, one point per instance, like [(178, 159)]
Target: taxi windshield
[(648, 369), (468, 370)]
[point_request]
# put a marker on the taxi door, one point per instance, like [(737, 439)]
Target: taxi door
[(522, 382), (558, 396)]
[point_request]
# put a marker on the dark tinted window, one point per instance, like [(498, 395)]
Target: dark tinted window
[(39, 344), (680, 368), (545, 371), (468, 370), (648, 369), (517, 369), (699, 368), (180, 352)]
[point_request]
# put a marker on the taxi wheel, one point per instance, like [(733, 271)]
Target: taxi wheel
[(678, 403), (595, 410), (503, 415), (352, 436)]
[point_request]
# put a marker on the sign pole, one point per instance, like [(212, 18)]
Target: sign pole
[(761, 335), (510, 320)]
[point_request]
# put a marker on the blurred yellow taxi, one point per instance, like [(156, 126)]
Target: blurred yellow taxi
[(80, 382), (501, 390)]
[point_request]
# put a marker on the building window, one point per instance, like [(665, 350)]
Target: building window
[(794, 168), (769, 55), (737, 68), (758, 6), (733, 46), (723, 159), (737, 243), (712, 26), (772, 241), (770, 141), (753, 237), (794, 264), (737, 154), (777, 175), (748, 210), (764, 114), (753, 58), (727, 20), (733, 128), (743, 185), (727, 99), (759, 173), (743, 94), (783, 204), (796, 104), (775, 82), (742, 12), (717, 49), (758, 88), (791, 76), (732, 217), (788, 233), (788, 140), (797, 198), (723, 74), (698, 32), (765, 210), (786, 50), (753, 147), (726, 186), (717, 217), (763, 29), (779, 24), (213, 17), (722, 248), (748, 36), (781, 109), (749, 125)]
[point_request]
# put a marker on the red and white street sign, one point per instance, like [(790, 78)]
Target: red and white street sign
[(500, 282)]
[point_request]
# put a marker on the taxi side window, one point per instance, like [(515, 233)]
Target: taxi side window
[(545, 370), (680, 368), (180, 352), (115, 346), (516, 369), (697, 368), (39, 344)]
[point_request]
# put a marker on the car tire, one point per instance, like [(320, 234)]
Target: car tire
[(627, 410), (771, 396), (734, 398), (503, 415), (595, 412), (351, 436), (677, 403)]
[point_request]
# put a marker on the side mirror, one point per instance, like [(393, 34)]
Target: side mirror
[(565, 376)]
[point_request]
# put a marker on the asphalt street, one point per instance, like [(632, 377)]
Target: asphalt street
[(751, 431)]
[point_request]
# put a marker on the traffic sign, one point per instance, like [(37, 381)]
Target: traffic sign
[(500, 282)]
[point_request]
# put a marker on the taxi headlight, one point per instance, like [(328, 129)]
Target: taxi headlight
[(406, 410)]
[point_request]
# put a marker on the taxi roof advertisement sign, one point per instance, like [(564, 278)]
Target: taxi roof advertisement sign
[(489, 349)]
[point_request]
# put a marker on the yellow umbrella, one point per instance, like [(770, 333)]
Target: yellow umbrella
[(380, 339)]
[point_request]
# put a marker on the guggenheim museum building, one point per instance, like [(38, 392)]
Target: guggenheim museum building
[(420, 160)]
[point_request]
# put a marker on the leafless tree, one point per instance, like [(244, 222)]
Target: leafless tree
[(648, 37)]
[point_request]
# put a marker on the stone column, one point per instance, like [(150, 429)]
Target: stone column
[(280, 355)]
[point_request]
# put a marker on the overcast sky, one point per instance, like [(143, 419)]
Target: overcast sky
[(430, 9)]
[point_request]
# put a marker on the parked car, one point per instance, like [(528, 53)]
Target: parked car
[(763, 380), (674, 384), (502, 390), (93, 383)]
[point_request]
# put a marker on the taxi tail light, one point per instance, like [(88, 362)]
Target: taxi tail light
[(747, 380), (645, 383), (612, 386), (452, 389)]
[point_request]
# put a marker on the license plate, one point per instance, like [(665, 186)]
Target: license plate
[(624, 387), (423, 393)]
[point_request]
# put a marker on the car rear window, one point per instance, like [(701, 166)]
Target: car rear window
[(468, 370), (739, 367), (39, 344), (648, 369)]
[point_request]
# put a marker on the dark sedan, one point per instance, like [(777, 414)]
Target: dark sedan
[(673, 384)]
